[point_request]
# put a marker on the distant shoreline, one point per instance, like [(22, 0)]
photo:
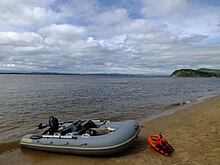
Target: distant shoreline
[(83, 74)]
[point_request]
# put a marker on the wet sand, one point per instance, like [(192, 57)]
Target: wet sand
[(194, 133)]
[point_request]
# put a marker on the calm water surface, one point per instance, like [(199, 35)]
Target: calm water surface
[(26, 100)]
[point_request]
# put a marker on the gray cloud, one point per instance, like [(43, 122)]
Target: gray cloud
[(194, 38), (155, 8)]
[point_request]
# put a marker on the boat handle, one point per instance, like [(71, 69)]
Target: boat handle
[(45, 143), (136, 127), (67, 143), (86, 136)]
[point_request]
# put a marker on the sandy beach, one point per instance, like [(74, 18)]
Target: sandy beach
[(194, 133)]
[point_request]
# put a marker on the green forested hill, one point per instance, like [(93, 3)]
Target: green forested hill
[(202, 72)]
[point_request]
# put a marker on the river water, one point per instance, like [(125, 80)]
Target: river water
[(27, 100)]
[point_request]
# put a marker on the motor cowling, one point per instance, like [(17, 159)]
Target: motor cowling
[(53, 123)]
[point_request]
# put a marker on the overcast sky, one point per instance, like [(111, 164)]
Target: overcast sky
[(109, 36)]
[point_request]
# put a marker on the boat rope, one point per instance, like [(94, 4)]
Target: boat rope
[(151, 129)]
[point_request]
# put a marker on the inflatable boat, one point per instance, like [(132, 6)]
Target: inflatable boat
[(84, 137)]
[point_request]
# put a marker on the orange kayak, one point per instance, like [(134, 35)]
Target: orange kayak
[(159, 144)]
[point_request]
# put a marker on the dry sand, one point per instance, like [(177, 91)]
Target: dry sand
[(194, 133)]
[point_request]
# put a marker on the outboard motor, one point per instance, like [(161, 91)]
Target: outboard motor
[(53, 123)]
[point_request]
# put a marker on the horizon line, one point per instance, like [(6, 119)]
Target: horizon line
[(58, 73)]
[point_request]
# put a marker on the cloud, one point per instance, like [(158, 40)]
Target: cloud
[(63, 32), (111, 17), (154, 8), (21, 15), (93, 37), (151, 38), (128, 26), (73, 11), (10, 5), (19, 39), (194, 38), (16, 47)]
